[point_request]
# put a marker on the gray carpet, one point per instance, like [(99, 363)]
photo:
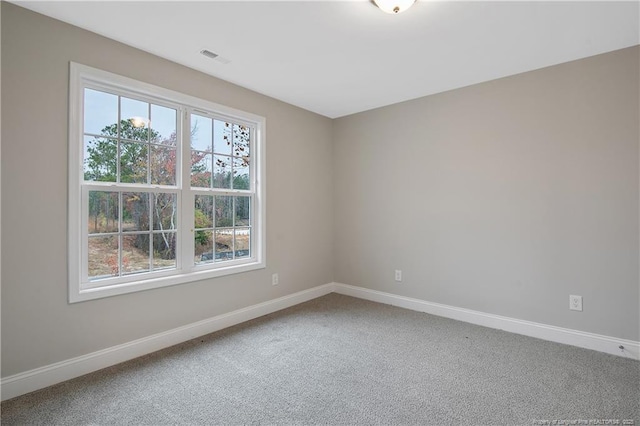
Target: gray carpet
[(341, 360)]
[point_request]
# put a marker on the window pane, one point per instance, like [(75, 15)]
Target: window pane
[(135, 211), (134, 120), (100, 156), (200, 133), (135, 253), (242, 209), (204, 246), (203, 213), (201, 169), (104, 212), (163, 125), (164, 250), (100, 111), (103, 257), (241, 139), (133, 162), (222, 137), (136, 144), (224, 244), (221, 171), (241, 174), (163, 165), (224, 211), (243, 242), (165, 211)]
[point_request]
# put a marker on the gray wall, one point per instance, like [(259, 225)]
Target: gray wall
[(503, 197), (39, 327)]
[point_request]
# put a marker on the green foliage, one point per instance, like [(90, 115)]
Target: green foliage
[(241, 182), (101, 164), (102, 153), (124, 148), (201, 221), (224, 211), (202, 238)]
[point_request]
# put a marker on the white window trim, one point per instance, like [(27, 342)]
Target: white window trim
[(187, 271)]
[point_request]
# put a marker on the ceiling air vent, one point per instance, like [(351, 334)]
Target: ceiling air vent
[(209, 54)]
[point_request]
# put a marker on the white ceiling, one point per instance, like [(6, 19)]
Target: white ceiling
[(341, 57)]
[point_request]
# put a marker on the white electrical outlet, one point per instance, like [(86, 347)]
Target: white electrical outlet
[(275, 279), (398, 275), (575, 303)]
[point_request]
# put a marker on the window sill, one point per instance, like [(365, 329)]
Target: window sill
[(159, 282)]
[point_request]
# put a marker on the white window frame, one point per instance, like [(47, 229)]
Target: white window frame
[(80, 288)]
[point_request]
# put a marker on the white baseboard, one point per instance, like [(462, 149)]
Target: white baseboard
[(552, 333), (29, 381)]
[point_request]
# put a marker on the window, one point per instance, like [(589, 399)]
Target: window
[(164, 188)]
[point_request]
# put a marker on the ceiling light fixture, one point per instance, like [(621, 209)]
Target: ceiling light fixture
[(394, 6)]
